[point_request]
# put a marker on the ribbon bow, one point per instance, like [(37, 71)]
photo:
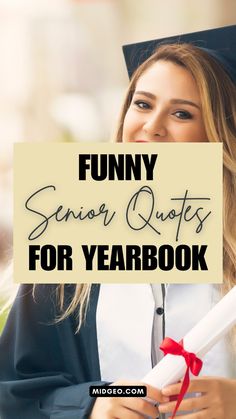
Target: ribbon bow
[(194, 364)]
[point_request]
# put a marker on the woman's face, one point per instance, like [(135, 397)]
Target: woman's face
[(165, 107)]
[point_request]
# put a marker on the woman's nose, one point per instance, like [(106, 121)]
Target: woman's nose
[(155, 127)]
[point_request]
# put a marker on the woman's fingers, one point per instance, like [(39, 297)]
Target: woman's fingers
[(152, 392), (124, 413), (217, 399), (203, 414), (193, 403), (155, 394), (123, 408), (197, 385), (141, 406), (128, 407)]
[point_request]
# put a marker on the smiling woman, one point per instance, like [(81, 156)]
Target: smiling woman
[(60, 340), (165, 107), (181, 93)]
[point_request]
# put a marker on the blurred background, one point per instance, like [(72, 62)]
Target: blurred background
[(62, 73)]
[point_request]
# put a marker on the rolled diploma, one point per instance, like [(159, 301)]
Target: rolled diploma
[(201, 338)]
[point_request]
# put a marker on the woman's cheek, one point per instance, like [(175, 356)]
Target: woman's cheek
[(182, 133)]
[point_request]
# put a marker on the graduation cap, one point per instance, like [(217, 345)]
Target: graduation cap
[(220, 43)]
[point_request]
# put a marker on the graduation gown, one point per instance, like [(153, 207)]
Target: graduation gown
[(46, 370)]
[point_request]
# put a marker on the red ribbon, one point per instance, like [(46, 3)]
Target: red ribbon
[(194, 364)]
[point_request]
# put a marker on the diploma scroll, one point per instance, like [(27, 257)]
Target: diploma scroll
[(199, 340)]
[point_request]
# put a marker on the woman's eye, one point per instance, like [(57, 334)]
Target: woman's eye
[(142, 105), (183, 114)]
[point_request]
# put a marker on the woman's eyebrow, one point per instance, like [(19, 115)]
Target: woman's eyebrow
[(184, 102), (142, 92)]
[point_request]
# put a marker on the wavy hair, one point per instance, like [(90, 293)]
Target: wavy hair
[(218, 99)]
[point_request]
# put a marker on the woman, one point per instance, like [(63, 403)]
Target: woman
[(173, 97), (181, 93)]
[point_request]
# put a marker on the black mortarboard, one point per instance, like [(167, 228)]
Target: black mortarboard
[(220, 43)]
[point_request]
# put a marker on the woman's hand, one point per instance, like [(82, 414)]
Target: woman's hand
[(128, 407), (217, 401)]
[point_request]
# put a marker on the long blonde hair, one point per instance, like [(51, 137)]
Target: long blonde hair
[(218, 98)]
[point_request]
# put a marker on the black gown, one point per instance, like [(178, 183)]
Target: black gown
[(45, 369)]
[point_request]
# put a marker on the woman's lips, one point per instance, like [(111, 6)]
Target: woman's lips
[(140, 141)]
